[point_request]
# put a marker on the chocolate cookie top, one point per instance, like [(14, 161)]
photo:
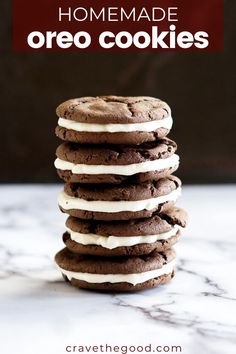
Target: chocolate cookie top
[(126, 191), (156, 224), (113, 109), (117, 265), (116, 154)]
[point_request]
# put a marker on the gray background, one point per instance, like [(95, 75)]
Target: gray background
[(200, 88)]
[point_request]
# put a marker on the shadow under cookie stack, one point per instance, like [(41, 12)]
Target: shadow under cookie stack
[(119, 192)]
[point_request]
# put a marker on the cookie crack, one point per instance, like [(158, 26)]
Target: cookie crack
[(109, 99), (164, 257), (130, 108), (73, 107)]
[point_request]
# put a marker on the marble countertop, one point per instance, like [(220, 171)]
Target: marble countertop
[(39, 313)]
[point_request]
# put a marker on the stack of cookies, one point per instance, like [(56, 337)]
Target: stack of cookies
[(119, 192)]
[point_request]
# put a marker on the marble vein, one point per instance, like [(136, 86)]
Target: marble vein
[(195, 310)]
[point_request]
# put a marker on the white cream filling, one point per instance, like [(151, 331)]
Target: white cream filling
[(111, 242), (126, 170), (134, 279), (67, 202), (115, 128)]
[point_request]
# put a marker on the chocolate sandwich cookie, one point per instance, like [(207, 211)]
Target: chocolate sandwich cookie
[(122, 202), (113, 120), (116, 274), (124, 238), (115, 164)]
